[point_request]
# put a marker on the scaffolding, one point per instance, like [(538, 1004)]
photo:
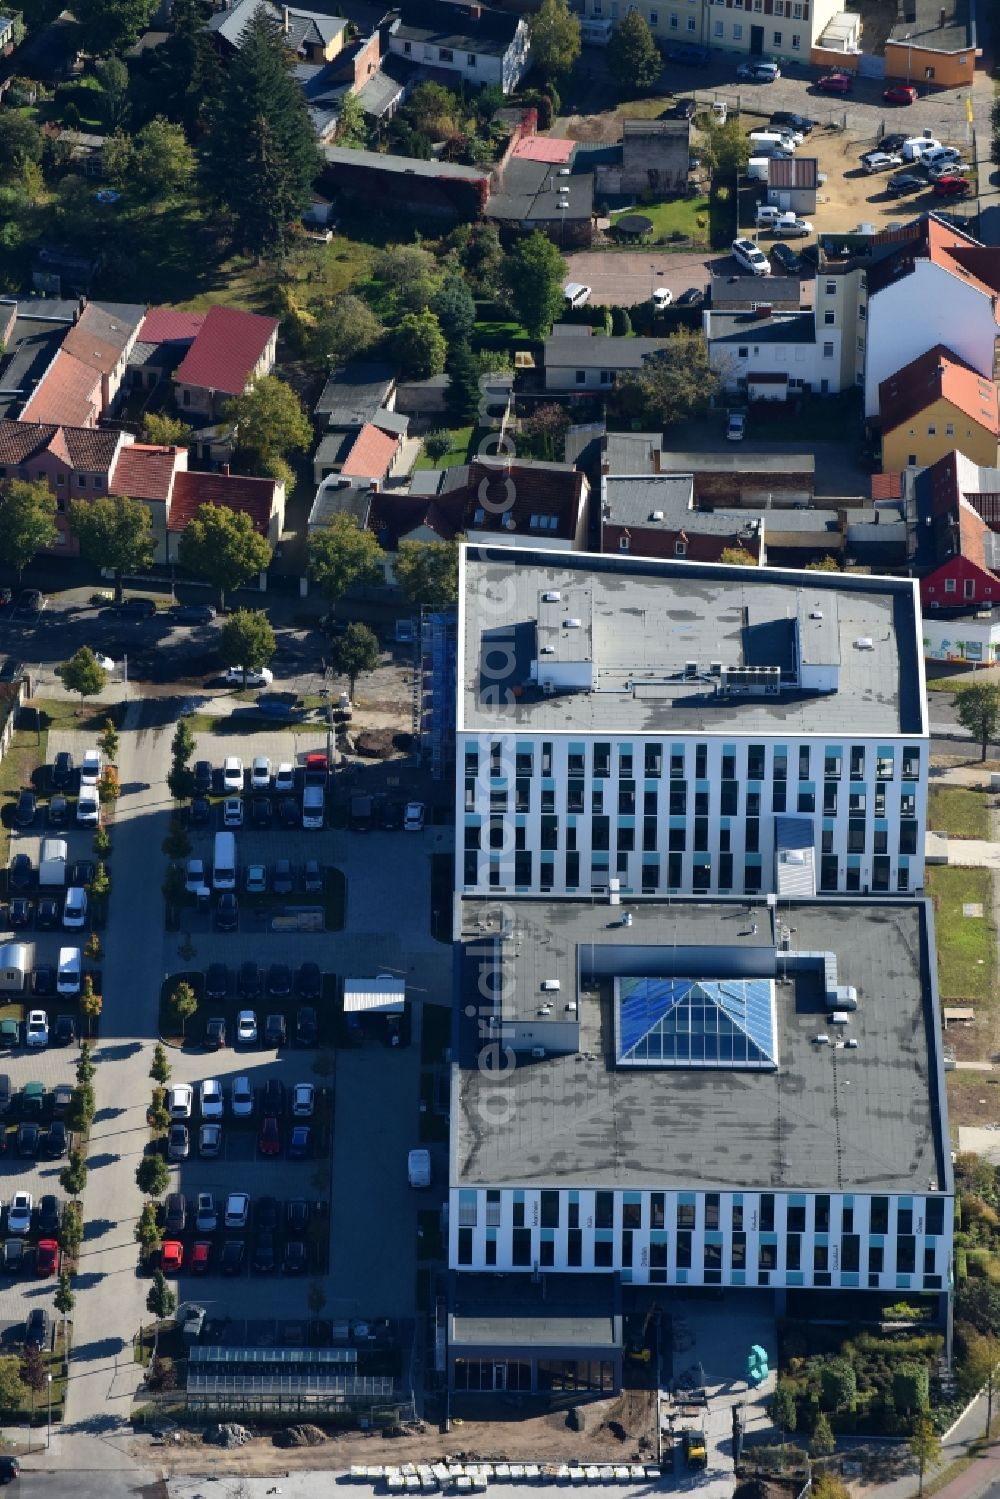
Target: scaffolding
[(437, 688)]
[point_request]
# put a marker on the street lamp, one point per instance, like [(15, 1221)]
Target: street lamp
[(48, 1429), (909, 54)]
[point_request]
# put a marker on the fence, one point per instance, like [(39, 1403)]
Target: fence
[(12, 695)]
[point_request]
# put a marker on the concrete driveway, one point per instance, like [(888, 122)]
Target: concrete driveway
[(630, 276)]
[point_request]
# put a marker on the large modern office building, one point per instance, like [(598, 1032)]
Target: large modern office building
[(685, 727), (683, 1092)]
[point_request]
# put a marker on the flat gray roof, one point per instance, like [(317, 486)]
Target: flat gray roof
[(872, 1119), (747, 327), (648, 619), (735, 463), (593, 351), (532, 190)]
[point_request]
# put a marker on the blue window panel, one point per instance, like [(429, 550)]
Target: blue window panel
[(829, 824), (729, 749), (713, 1238), (519, 1194), (548, 783), (491, 1236), (850, 1278), (657, 1236), (807, 786), (904, 861), (520, 820), (796, 1199), (604, 1236), (678, 822), (687, 1199), (794, 1278), (626, 822), (574, 1195), (651, 785), (702, 785), (877, 1241), (881, 825), (755, 786), (632, 1198), (525, 746), (468, 1197), (904, 1202), (548, 1235), (738, 1277), (682, 1277), (576, 747), (823, 1240), (903, 1282), (737, 1199), (854, 861), (847, 1201), (626, 1275), (754, 858), (769, 1239)]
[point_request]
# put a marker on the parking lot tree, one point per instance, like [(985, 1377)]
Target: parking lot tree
[(160, 1299), (427, 572), (183, 1003), (247, 639), (158, 1115), (533, 273), (65, 1298), (463, 383), (455, 309), (12, 1391), (343, 555), (152, 1175), (222, 546), (676, 382), (355, 651), (270, 420), (177, 844), (978, 711), (419, 345), (91, 1003), (99, 885), (71, 1232), (73, 1176), (101, 842), (977, 1368), (109, 740), (85, 1063), (83, 673), (183, 744), (159, 1067), (80, 1114), (173, 886), (925, 1446), (180, 782), (109, 786), (633, 56), (92, 948), (555, 38), (27, 521), (147, 1229), (822, 1442)]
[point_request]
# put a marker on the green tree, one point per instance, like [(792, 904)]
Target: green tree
[(925, 1446), (355, 651), (534, 273), (978, 711), (65, 1298), (159, 1067), (71, 1232), (173, 885), (180, 781), (183, 1003), (822, 1442), (222, 547), (85, 1068), (158, 1115), (73, 1176), (27, 521), (838, 1385), (545, 430), (91, 1003), (12, 1391), (269, 419), (434, 109), (163, 163), (165, 431), (247, 639), (633, 56), (782, 1408), (101, 843), (99, 885), (427, 572), (346, 327), (724, 149), (82, 674), (910, 1387), (183, 744), (555, 38), (481, 255), (147, 1230), (111, 25), (152, 1175), (437, 443), (410, 273), (342, 555), (109, 740), (33, 1371), (463, 384), (160, 1299), (738, 557), (20, 143), (453, 306), (419, 345), (824, 565), (352, 126), (82, 1104), (674, 383), (977, 1368), (112, 75), (185, 73), (114, 532), (260, 153), (109, 786)]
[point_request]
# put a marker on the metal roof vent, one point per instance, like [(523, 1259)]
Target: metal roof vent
[(815, 614), (656, 515), (572, 624), (864, 643), (552, 597)]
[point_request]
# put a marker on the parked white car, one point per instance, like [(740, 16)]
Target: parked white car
[(576, 294), (180, 1101), (284, 779), (232, 812), (37, 1029), (242, 1098), (260, 774), (236, 676), (792, 228), (210, 1098), (90, 768), (19, 1213), (751, 257), (947, 169), (232, 773), (662, 298)]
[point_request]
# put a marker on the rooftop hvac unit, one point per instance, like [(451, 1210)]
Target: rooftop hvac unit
[(840, 1017), (572, 624), (864, 643), (822, 1039), (547, 650), (552, 597), (550, 984), (571, 1007), (845, 997), (656, 515), (815, 614), (690, 668), (538, 1052), (852, 1043), (715, 668)]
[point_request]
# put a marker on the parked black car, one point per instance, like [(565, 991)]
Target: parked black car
[(215, 1033), (56, 1141), (279, 981), (38, 1328), (20, 912), (49, 1213), (306, 1026), (202, 777), (43, 981), (201, 812), (82, 873), (276, 1031), (61, 774), (227, 912), (251, 980), (232, 1256), (309, 981), (216, 981), (26, 809), (21, 874), (64, 1030)]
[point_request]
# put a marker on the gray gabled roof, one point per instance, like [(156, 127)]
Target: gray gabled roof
[(599, 353)]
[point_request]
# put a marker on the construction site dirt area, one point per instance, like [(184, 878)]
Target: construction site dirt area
[(622, 1429)]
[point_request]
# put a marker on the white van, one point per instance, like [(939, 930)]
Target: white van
[(88, 806), (784, 139), (90, 770), (70, 965), (313, 810), (767, 214), (224, 863), (75, 909)]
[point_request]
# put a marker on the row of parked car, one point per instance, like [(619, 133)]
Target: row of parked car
[(205, 1255)]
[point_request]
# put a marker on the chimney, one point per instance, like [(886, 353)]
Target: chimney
[(284, 19)]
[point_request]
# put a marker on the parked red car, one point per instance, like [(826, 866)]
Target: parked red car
[(201, 1256), (47, 1257), (900, 93), (269, 1139), (171, 1256), (835, 83), (951, 187)]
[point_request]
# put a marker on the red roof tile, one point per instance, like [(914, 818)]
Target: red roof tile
[(372, 454), (163, 325), (972, 532), (226, 350), (544, 148), (68, 393), (99, 337), (86, 448), (253, 497), (887, 486), (938, 375), (145, 472)]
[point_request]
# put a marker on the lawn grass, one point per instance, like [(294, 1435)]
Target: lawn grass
[(958, 812), (973, 674), (678, 218), (966, 946), (458, 452)]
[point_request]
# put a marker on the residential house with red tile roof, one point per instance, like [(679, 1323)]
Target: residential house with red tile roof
[(83, 380), (69, 393), (229, 352), (262, 499), (372, 453), (76, 462), (935, 404)]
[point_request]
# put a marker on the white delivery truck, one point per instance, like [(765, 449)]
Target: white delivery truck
[(224, 863), (15, 967), (52, 864), (70, 971)]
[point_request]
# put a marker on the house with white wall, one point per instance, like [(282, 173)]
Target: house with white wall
[(479, 45)]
